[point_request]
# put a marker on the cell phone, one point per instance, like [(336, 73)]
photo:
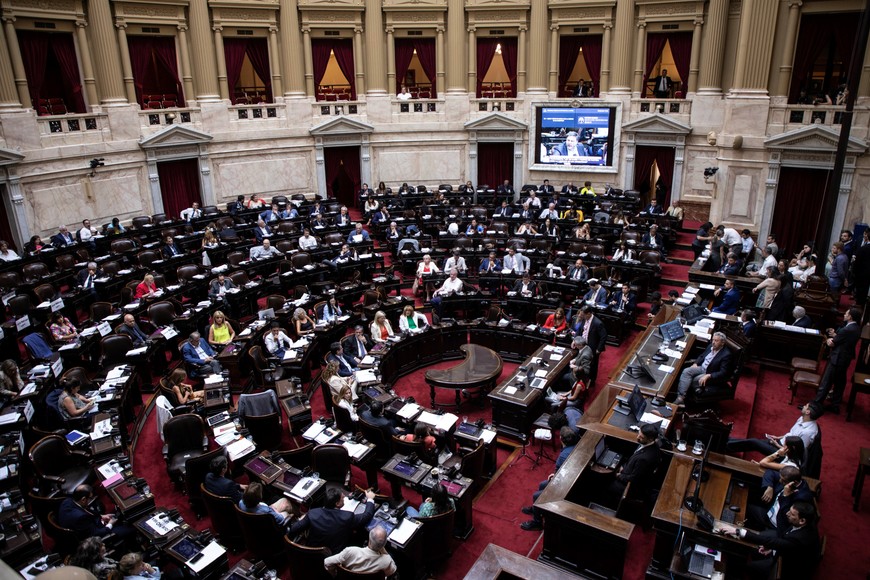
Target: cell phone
[(196, 558)]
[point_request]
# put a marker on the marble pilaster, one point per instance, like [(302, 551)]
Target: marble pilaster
[(457, 81), (695, 56), (375, 71), (126, 66), (205, 73), (275, 62), (604, 82), (538, 54), (186, 76), (713, 48), (292, 59), (221, 56), (90, 83), (106, 53), (786, 59), (639, 62), (8, 94), (621, 47), (392, 85)]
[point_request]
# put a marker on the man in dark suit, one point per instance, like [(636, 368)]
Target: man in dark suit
[(170, 249), (503, 211), (641, 466), (506, 191), (346, 364), (842, 343), (75, 514), (795, 542), (330, 526), (62, 238), (790, 489), (218, 287), (580, 366), (801, 320), (711, 369), (217, 482), (569, 188), (597, 294), (654, 208), (199, 356), (662, 85), (131, 329), (624, 301), (262, 231), (526, 286), (87, 276), (235, 207), (653, 239), (356, 345), (228, 233), (547, 188), (730, 298), (569, 439), (578, 272), (374, 415), (747, 323), (490, 265), (732, 266), (593, 330)]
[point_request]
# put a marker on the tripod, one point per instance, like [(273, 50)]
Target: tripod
[(525, 441)]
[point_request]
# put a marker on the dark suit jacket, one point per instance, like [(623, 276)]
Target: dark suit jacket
[(627, 305), (730, 269), (82, 276), (134, 333), (655, 210), (496, 265), (600, 297), (862, 264), (58, 241), (518, 287), (730, 302), (749, 329), (803, 322), (331, 527), (73, 516), (647, 239), (166, 250), (845, 340), (343, 371), (798, 548), (640, 466), (502, 190), (351, 347), (382, 423), (215, 286), (719, 368), (597, 334), (259, 235), (584, 272), (223, 486), (569, 189)]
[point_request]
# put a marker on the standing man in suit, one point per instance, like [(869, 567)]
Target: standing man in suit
[(641, 466), (75, 514), (730, 298), (842, 343), (662, 85), (506, 191), (595, 334), (331, 526), (62, 238), (711, 369), (801, 320), (356, 345)]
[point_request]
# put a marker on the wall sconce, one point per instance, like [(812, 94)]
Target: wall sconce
[(96, 162), (709, 172), (170, 118)]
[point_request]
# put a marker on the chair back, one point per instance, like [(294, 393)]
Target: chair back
[(161, 313), (239, 277), (542, 315), (224, 520), (299, 458), (50, 456), (9, 280), (332, 462), (195, 471), (275, 301), (139, 222), (65, 261), (343, 420), (376, 436), (186, 272), (286, 246), (66, 540), (301, 260), (34, 272), (114, 348), (265, 429), (406, 447), (122, 246), (41, 506), (20, 305), (436, 534), (184, 433), (235, 258), (472, 464), (79, 373), (262, 534), (306, 561), (45, 292), (100, 310)]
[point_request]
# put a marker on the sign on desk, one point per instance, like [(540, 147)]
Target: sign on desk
[(56, 304), (104, 328), (22, 323)]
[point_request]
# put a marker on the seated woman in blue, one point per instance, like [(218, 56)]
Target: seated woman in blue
[(437, 503), (252, 503)]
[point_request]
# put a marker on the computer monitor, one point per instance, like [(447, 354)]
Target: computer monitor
[(636, 403), (672, 330), (693, 313), (267, 314), (600, 448), (643, 367)]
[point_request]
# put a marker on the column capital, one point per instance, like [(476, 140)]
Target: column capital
[(607, 26), (81, 23), (472, 29), (554, 27), (121, 25), (182, 27), (641, 24), (273, 29), (440, 29), (699, 21), (523, 27), (8, 18), (795, 4), (306, 29), (217, 28), (390, 29), (358, 29)]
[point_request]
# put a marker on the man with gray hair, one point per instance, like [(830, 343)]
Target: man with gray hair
[(370, 559), (801, 320), (200, 357), (710, 370), (580, 366)]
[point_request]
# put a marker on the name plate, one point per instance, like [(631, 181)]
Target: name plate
[(57, 367), (56, 304), (22, 323), (103, 328), (28, 412)]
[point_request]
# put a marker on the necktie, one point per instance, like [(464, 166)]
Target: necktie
[(88, 282), (362, 348)]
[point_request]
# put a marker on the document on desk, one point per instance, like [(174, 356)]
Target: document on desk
[(653, 419), (291, 355), (137, 351), (161, 526), (209, 554), (239, 449), (409, 410), (541, 373), (109, 469), (325, 436), (304, 487), (115, 373), (487, 436), (9, 418), (367, 360), (169, 332), (366, 376), (404, 531), (313, 430), (691, 290), (301, 343), (226, 437), (510, 390), (707, 286), (355, 450), (350, 505), (666, 369), (213, 379), (443, 422), (718, 315)]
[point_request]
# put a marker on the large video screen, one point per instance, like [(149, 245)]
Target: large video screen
[(575, 136)]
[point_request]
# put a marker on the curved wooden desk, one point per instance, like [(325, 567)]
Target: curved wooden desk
[(480, 369)]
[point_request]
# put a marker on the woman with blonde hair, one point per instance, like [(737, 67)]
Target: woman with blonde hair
[(219, 331), (425, 268), (336, 382), (304, 324), (381, 329), (344, 399), (412, 321)]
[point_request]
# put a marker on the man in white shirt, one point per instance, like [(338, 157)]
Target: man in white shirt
[(451, 285), (87, 232), (371, 559), (456, 262), (404, 95), (307, 241), (805, 427), (276, 341), (264, 252), (769, 263), (533, 200), (550, 212), (191, 213), (731, 239), (748, 245)]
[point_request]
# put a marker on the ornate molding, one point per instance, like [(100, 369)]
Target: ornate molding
[(583, 13), (47, 7), (148, 10)]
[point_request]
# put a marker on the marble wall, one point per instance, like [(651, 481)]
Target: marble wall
[(419, 165), (268, 175)]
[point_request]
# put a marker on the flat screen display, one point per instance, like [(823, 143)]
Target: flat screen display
[(577, 138)]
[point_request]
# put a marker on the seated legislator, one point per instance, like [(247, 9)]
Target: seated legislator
[(514, 262), (374, 415), (597, 294), (75, 514), (170, 249), (801, 320), (578, 272), (264, 252), (303, 323), (358, 235), (336, 382), (262, 231), (525, 286), (710, 370), (191, 213), (450, 286), (331, 311), (474, 229), (252, 503), (747, 323), (730, 297), (72, 403), (490, 265), (220, 332), (87, 277), (422, 434), (624, 301), (570, 187), (791, 488), (369, 559), (255, 202), (732, 265), (183, 392), (330, 526), (200, 356), (62, 330), (456, 261), (357, 344), (654, 208), (569, 440), (146, 288), (557, 321), (653, 239), (346, 364), (218, 287), (439, 502), (307, 242), (624, 253), (641, 466), (425, 268), (804, 427), (62, 238), (344, 399), (11, 382), (412, 321), (276, 341), (381, 329), (131, 329), (272, 214), (580, 365)]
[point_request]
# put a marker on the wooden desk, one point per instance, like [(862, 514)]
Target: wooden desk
[(597, 417), (497, 563), (479, 370), (859, 385), (132, 506), (776, 346)]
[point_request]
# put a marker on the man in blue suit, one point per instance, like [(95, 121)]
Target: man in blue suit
[(730, 298), (75, 514), (597, 294), (711, 370), (732, 266), (330, 526), (199, 355)]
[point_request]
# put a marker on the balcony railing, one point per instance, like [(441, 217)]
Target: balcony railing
[(258, 111), (71, 123), (326, 109), (490, 105), (417, 106), (812, 114), (155, 119), (661, 106)]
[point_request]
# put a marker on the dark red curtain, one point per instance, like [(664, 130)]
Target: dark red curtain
[(485, 53), (495, 163), (179, 185), (663, 157), (320, 51), (509, 56), (681, 49), (817, 33), (65, 53), (426, 55), (343, 50), (798, 207), (569, 49), (164, 50), (155, 67), (34, 53), (340, 162), (258, 54), (404, 55), (655, 44), (140, 57), (234, 56), (592, 57), (5, 228)]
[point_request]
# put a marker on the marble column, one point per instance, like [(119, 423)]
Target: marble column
[(639, 60), (457, 82), (184, 51), (787, 56), (713, 48), (275, 62), (438, 82), (375, 73), (8, 95), (18, 215), (205, 73), (864, 82), (309, 61), (392, 85), (126, 66), (621, 49), (754, 45), (537, 50), (554, 87), (17, 62), (359, 63), (472, 60), (90, 83), (106, 53), (223, 84), (292, 59), (522, 65), (604, 81), (692, 85)]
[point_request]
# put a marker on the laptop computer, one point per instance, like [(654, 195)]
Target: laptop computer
[(266, 314), (701, 562), (605, 457)]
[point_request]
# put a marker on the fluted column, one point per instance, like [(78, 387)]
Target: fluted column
[(639, 64), (538, 53), (713, 48), (205, 72), (392, 85), (186, 76), (309, 61), (694, 59), (292, 59), (376, 75), (126, 66), (457, 82), (8, 95), (472, 60), (604, 81), (107, 61), (787, 56), (754, 45), (864, 83), (621, 69), (522, 65), (359, 63), (275, 62), (438, 81), (223, 84), (87, 64), (554, 87)]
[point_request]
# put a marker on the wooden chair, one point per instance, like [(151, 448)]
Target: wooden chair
[(437, 534), (223, 517), (299, 458), (263, 536), (306, 561)]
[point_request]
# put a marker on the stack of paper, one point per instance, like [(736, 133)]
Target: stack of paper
[(404, 531), (355, 450), (304, 487), (313, 430), (444, 422), (137, 351), (409, 410), (366, 376), (209, 554), (239, 449)]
